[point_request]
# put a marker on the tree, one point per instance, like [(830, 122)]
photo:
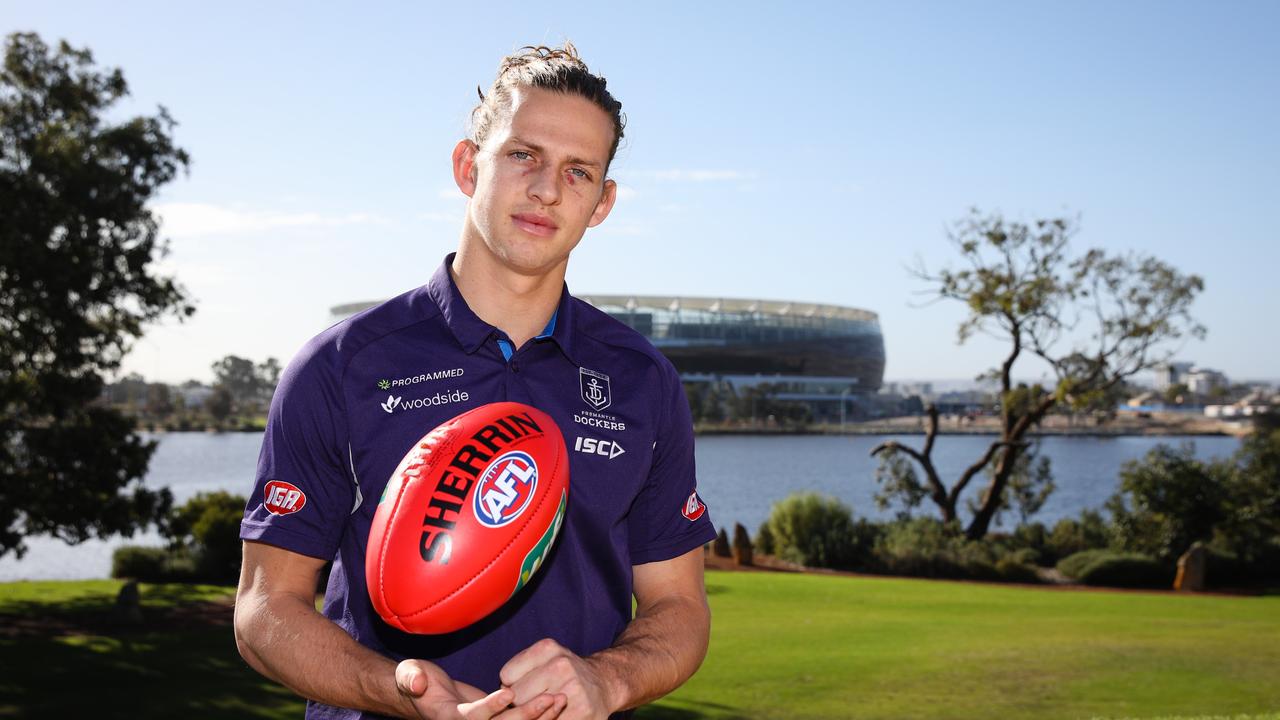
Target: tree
[(250, 386), (77, 285), (1094, 320), (1167, 500)]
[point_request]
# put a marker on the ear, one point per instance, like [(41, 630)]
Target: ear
[(464, 166), (605, 204)]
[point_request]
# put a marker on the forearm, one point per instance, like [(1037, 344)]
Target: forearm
[(660, 649), (283, 637)]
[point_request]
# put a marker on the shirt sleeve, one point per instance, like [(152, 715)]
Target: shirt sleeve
[(303, 491), (669, 518)]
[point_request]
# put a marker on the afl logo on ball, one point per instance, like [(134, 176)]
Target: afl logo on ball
[(505, 488), (282, 498)]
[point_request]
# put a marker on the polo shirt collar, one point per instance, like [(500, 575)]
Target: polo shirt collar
[(471, 332)]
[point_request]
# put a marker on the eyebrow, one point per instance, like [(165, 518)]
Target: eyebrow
[(539, 149)]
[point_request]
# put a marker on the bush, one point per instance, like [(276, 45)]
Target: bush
[(1127, 570), (925, 547), (145, 564), (1070, 536), (1168, 500), (1073, 565), (151, 564), (1226, 569), (208, 528), (764, 539), (1010, 569), (818, 531)]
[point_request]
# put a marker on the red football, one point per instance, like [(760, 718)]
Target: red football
[(467, 518)]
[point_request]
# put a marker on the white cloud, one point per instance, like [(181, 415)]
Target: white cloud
[(702, 175), (450, 193), (626, 192), (183, 220)]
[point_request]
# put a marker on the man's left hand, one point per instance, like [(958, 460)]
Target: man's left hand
[(548, 667)]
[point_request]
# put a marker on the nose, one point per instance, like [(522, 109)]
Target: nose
[(544, 185)]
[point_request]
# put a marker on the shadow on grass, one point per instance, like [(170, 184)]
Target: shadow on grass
[(688, 710), (145, 675)]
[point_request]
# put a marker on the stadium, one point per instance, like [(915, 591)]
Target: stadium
[(827, 357)]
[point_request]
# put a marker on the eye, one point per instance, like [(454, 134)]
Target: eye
[(521, 155), (580, 173)]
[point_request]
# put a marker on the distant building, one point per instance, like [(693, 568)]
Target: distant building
[(1202, 381)]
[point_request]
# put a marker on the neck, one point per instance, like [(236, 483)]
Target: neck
[(517, 304)]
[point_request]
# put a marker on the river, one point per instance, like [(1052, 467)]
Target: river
[(739, 478)]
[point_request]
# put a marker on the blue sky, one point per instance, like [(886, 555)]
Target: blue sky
[(800, 151)]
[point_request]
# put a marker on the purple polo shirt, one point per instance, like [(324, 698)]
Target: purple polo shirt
[(360, 394)]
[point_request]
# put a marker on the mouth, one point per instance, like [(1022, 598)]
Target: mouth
[(539, 225)]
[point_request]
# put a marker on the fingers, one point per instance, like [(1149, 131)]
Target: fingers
[(495, 706), (534, 656), (488, 706)]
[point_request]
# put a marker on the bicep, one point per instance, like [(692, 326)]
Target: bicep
[(678, 577)]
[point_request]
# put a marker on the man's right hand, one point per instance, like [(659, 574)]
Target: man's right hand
[(436, 696)]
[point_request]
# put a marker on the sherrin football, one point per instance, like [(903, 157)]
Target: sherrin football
[(467, 518)]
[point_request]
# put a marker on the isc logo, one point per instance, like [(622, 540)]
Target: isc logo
[(282, 498), (505, 488), (591, 446)]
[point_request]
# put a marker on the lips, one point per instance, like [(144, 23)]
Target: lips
[(533, 224)]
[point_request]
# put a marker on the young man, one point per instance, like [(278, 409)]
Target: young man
[(495, 322)]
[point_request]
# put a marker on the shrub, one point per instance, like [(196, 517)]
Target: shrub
[(1070, 536), (925, 547), (208, 527), (1073, 565), (819, 531), (151, 564), (1127, 570), (1168, 500), (764, 539), (1010, 569), (145, 564)]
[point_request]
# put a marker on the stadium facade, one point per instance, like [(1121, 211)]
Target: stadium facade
[(827, 357)]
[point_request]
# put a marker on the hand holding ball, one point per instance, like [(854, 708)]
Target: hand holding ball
[(467, 518)]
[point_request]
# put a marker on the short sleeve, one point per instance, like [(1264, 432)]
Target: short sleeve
[(669, 518), (303, 491)]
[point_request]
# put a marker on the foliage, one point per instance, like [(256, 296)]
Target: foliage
[(151, 564), (208, 528), (818, 531), (1127, 570), (1073, 565), (1167, 500), (1094, 319), (248, 387), (764, 539), (77, 284), (1070, 536), (1251, 499), (926, 547)]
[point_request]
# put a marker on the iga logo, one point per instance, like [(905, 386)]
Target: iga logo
[(282, 498), (591, 446), (505, 489), (595, 388), (693, 507)]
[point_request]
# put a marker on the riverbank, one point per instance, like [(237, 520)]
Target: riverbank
[(1123, 425)]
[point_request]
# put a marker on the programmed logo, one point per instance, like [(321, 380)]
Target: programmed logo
[(505, 489)]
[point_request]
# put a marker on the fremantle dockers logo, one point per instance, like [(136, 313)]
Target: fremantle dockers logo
[(595, 388)]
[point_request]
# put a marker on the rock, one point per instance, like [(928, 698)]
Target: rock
[(129, 604), (721, 546), (741, 545), (1191, 569)]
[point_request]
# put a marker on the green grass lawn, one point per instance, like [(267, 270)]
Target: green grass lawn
[(783, 646)]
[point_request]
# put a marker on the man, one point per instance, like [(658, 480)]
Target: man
[(495, 322)]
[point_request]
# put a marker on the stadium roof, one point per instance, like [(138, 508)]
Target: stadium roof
[(732, 305)]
